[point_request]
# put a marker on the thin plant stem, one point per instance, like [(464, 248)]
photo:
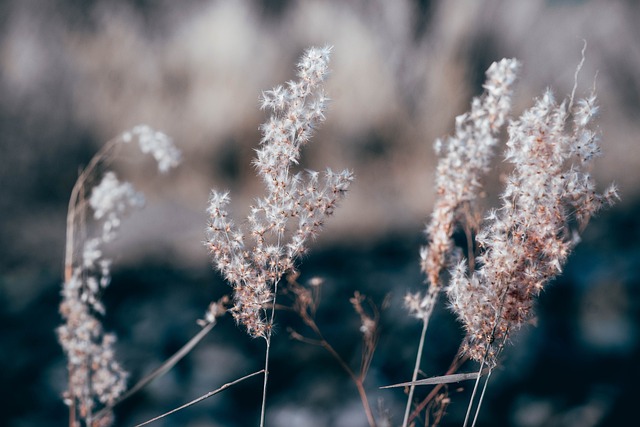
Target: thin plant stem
[(484, 359), (358, 380), (200, 399), (162, 369), (414, 377), (266, 354), (473, 394), (365, 403), (76, 218), (484, 388), (486, 382), (77, 200)]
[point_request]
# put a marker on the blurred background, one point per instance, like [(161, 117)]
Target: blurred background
[(74, 74)]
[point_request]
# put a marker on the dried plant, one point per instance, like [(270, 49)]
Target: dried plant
[(96, 379), (491, 284), (254, 270), (549, 198), (464, 158), (305, 303)]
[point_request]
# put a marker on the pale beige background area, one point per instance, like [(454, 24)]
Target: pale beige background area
[(401, 73)]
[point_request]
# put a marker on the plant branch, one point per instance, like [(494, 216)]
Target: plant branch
[(416, 368), (357, 379)]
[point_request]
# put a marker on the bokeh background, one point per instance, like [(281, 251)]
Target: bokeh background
[(75, 73)]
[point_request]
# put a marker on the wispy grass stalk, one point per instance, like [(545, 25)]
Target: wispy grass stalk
[(254, 270), (96, 378), (464, 158)]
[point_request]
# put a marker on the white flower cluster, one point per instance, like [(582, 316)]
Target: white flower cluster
[(95, 375), (304, 198), (464, 158), (158, 144), (110, 199), (525, 243)]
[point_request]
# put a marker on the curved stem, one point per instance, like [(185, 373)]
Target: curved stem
[(75, 201)]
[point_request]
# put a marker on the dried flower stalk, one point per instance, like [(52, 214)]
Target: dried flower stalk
[(255, 269), (96, 379)]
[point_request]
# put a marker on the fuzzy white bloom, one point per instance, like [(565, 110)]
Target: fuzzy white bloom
[(111, 195), (91, 253), (464, 159), (94, 372), (547, 198), (111, 199), (96, 379), (254, 269), (158, 144)]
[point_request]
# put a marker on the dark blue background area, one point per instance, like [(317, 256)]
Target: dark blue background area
[(553, 366)]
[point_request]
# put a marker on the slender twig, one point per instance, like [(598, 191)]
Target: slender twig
[(484, 359), (484, 388), (414, 377), (76, 200), (76, 215), (486, 382), (577, 73), (201, 398), (473, 394), (358, 380), (298, 337), (266, 357), (162, 369)]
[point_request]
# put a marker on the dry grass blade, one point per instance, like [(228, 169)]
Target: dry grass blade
[(444, 379), (201, 398)]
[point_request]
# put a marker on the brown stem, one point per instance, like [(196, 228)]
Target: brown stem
[(468, 231), (75, 202), (358, 380)]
